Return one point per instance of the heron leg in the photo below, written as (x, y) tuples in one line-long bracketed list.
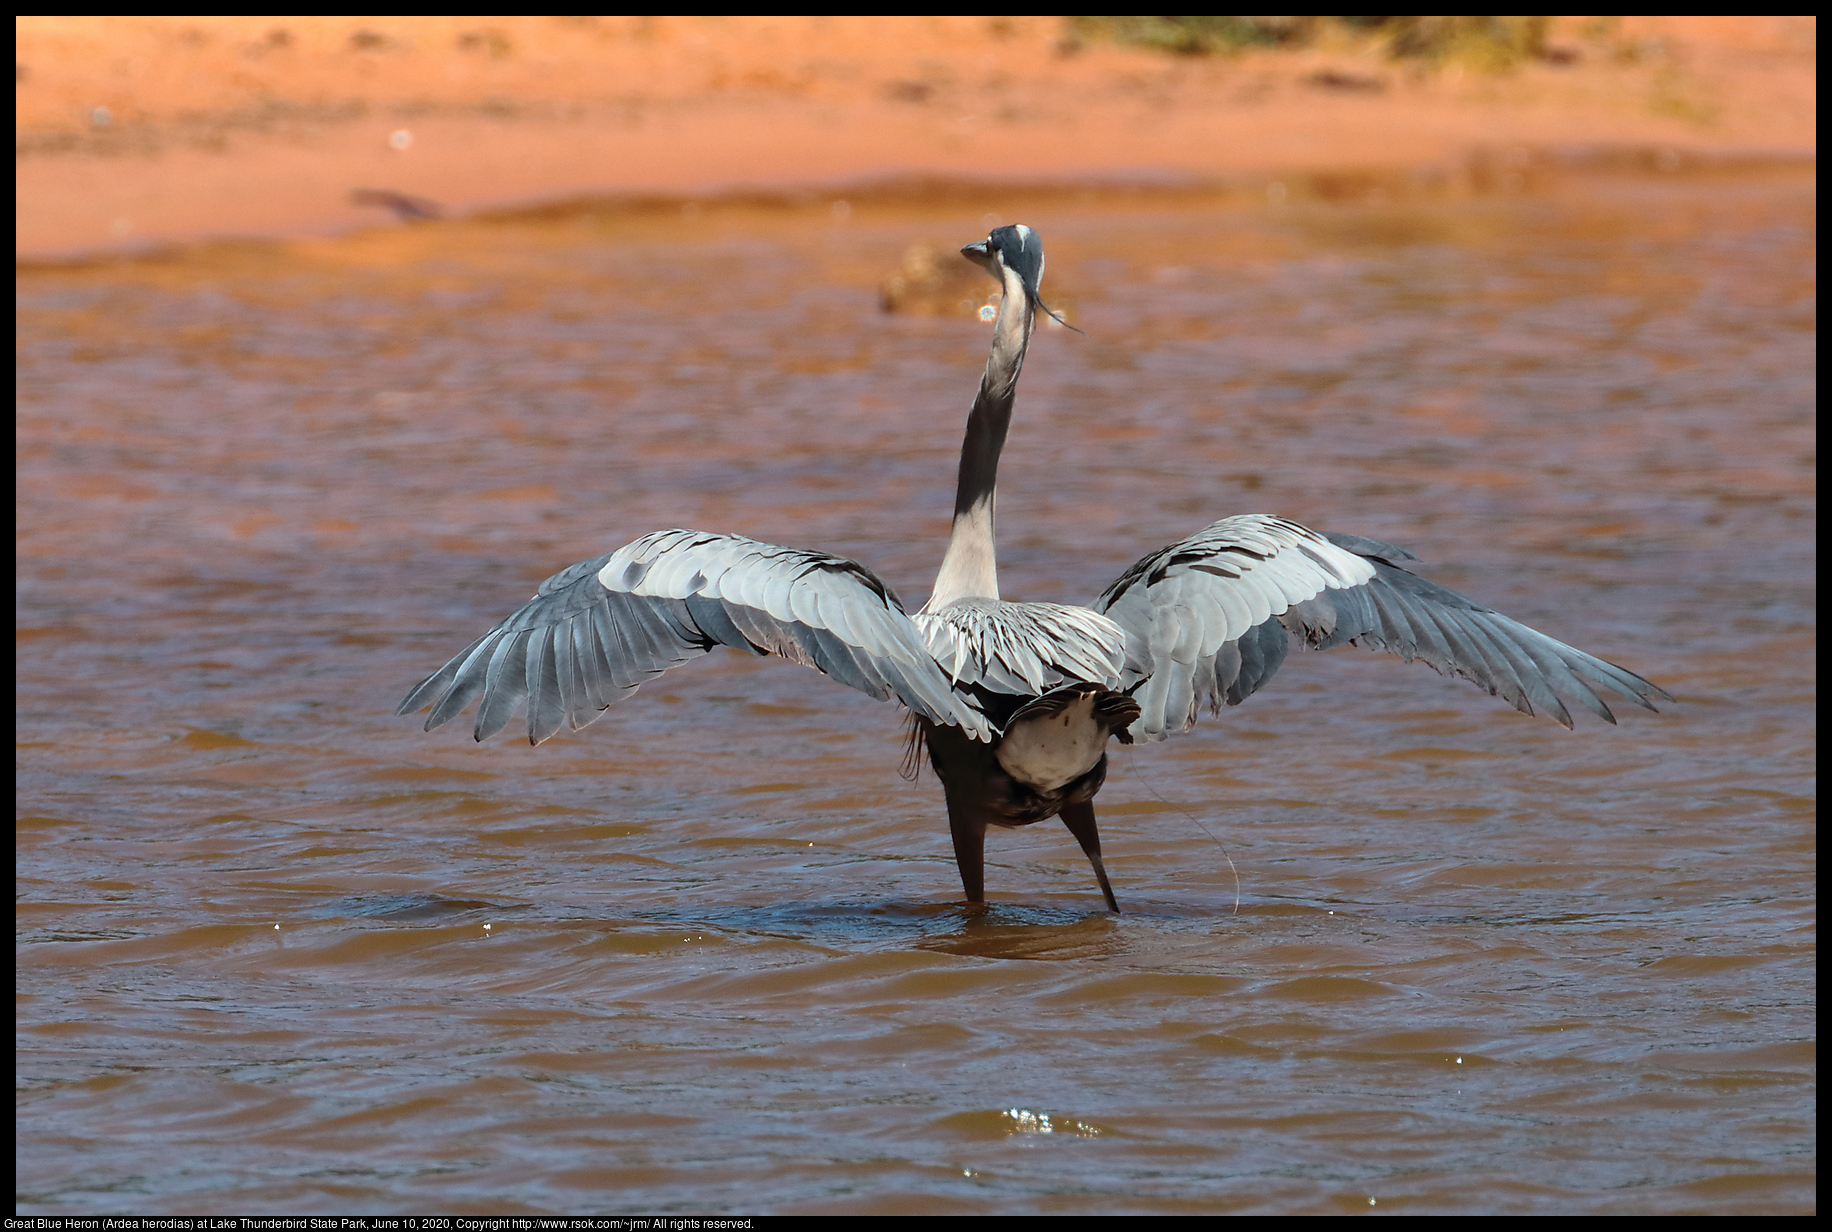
[(1079, 818), (968, 826)]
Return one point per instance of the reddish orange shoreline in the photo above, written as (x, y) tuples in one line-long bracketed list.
[(132, 130)]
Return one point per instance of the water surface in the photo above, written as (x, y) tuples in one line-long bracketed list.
[(1385, 942)]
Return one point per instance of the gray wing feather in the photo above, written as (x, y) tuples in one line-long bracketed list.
[(588, 673), (764, 634), (568, 661), (1209, 617), (1491, 668), (454, 700), (596, 631), (1438, 639), (1502, 655), (716, 621), (836, 658), (545, 713), (619, 656), (1331, 618), (1261, 652), (505, 685)]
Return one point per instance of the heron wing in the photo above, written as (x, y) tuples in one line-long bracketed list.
[(595, 632), (1210, 618)]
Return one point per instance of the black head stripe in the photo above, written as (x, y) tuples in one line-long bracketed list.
[(1019, 249)]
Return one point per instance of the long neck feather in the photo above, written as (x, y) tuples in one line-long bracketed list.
[(970, 569)]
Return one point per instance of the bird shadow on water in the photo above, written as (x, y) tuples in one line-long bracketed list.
[(992, 930), (995, 930)]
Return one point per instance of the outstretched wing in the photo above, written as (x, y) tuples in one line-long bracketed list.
[(595, 632), (1209, 618)]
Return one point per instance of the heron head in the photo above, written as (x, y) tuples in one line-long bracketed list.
[(1018, 249), (1014, 248)]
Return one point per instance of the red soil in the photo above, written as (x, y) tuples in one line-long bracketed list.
[(133, 129)]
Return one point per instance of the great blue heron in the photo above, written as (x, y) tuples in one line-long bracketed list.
[(1015, 702)]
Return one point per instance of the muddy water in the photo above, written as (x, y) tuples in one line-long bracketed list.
[(1387, 944)]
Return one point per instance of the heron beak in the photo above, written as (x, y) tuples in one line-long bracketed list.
[(982, 255)]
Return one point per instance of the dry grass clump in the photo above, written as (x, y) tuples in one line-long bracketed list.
[(1493, 43)]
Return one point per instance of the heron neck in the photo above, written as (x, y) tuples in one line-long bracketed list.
[(970, 569)]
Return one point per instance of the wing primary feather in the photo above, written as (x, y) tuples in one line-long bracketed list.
[(424, 692), (468, 682), (1394, 628), (1607, 675), (1539, 691), (1435, 637), (545, 714), (1493, 663), (565, 682), (649, 636), (1472, 661), (619, 657), (594, 666), (507, 684), (584, 706), (1550, 655), (1552, 670), (1589, 697), (1618, 679), (1438, 638)]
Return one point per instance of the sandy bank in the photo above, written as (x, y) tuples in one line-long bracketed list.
[(137, 130)]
